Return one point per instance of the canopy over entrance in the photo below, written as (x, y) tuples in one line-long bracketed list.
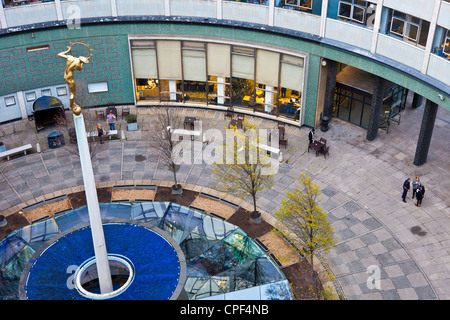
[(48, 110)]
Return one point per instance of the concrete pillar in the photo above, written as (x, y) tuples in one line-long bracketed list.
[(329, 88), (426, 131), (271, 12), (375, 109), (3, 23), (219, 9)]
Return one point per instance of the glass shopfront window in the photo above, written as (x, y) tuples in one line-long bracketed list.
[(353, 105), (238, 76), (243, 91), (291, 84), (219, 73), (194, 71)]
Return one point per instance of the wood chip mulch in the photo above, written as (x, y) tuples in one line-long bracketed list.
[(47, 209), (216, 206), (133, 194), (282, 250)]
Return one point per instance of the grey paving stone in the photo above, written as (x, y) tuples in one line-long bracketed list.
[(345, 234), (351, 206), (425, 293), (368, 239), (409, 267), (400, 282), (385, 258), (391, 244), (329, 191), (329, 205), (363, 252), (390, 295), (372, 223)]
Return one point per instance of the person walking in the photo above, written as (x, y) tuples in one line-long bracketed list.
[(415, 186), (406, 186), (111, 118), (419, 195), (100, 133), (311, 135)]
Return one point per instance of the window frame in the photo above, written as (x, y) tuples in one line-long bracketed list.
[(298, 4), (407, 23), (353, 5), (445, 46)]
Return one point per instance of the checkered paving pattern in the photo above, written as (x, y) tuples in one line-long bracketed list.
[(360, 184)]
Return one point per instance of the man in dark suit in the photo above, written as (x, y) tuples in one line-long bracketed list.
[(311, 135), (406, 186)]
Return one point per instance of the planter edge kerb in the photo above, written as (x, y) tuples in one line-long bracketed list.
[(255, 217), (177, 189)]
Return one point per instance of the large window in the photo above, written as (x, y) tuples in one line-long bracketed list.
[(302, 5), (358, 11), (12, 3), (443, 48), (241, 76), (409, 28), (353, 105), (194, 71), (219, 72)]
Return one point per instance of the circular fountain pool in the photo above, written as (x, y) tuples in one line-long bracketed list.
[(144, 262)]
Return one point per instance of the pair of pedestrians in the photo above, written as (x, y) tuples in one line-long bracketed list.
[(418, 190)]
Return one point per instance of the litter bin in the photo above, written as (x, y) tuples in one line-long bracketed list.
[(324, 125), (55, 140)]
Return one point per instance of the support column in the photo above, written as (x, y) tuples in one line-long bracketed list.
[(3, 23), (426, 131), (59, 13), (329, 88), (271, 12), (167, 8), (375, 109), (219, 9)]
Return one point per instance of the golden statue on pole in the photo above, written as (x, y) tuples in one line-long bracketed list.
[(74, 63)]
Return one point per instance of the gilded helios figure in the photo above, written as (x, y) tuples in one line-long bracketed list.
[(74, 63)]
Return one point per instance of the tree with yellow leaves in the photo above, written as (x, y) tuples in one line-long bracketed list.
[(301, 216), (246, 169)]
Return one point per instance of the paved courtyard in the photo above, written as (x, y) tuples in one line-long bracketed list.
[(360, 181)]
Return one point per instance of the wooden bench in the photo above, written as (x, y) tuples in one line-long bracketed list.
[(184, 132), (95, 134), (11, 152)]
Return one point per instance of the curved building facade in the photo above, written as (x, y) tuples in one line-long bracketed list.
[(295, 61)]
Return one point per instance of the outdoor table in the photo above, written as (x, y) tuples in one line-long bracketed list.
[(236, 123), (189, 120), (316, 145)]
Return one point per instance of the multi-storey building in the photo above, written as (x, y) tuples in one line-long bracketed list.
[(296, 61)]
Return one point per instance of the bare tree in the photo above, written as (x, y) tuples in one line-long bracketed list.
[(163, 141)]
